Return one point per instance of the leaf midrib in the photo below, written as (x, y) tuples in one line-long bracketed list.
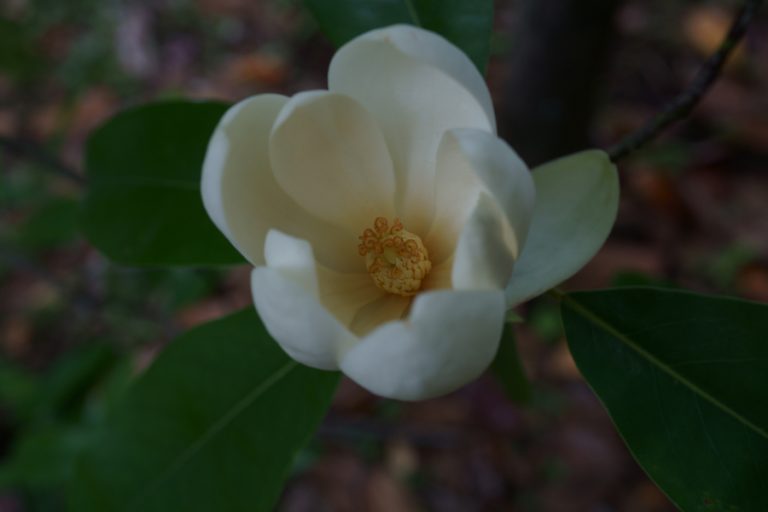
[(605, 325), (194, 448)]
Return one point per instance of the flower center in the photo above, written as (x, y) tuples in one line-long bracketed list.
[(396, 259)]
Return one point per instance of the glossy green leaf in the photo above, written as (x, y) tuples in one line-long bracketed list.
[(685, 379), (508, 369), (468, 25), (143, 203), (214, 424)]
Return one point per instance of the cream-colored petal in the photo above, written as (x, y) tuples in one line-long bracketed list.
[(434, 50), (285, 295), (353, 299), (439, 277), (383, 309), (345, 294), (485, 197), (244, 200), (293, 257), (449, 338), (414, 103), (577, 199), (330, 156), (295, 319), (470, 162), (485, 252)]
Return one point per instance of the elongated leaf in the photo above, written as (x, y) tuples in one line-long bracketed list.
[(143, 202), (214, 424), (685, 379), (468, 25)]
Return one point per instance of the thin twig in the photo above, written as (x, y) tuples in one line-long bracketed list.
[(681, 106), (34, 152)]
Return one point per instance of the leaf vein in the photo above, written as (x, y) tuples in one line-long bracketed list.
[(669, 370), (209, 434)]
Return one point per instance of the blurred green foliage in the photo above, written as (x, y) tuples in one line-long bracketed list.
[(51, 415), (88, 59)]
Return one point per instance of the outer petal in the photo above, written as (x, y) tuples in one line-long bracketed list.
[(285, 294), (485, 253), (414, 103), (448, 340), (433, 49), (485, 197), (242, 196), (576, 205), (329, 155)]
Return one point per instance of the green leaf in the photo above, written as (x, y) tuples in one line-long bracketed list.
[(143, 203), (468, 25), (508, 369), (685, 379), (214, 424)]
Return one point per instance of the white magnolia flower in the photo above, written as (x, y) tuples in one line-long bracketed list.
[(390, 228)]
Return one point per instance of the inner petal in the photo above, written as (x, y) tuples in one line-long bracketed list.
[(470, 163), (414, 103), (329, 155), (385, 309), (244, 200), (356, 302), (344, 294)]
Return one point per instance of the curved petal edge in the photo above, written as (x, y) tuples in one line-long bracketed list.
[(285, 296), (576, 205), (449, 339), (434, 50), (232, 167)]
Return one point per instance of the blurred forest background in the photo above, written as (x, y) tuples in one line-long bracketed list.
[(74, 328)]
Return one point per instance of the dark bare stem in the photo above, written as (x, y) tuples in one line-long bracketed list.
[(681, 106), (32, 151)]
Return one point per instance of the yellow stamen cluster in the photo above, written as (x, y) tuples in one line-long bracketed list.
[(396, 259)]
